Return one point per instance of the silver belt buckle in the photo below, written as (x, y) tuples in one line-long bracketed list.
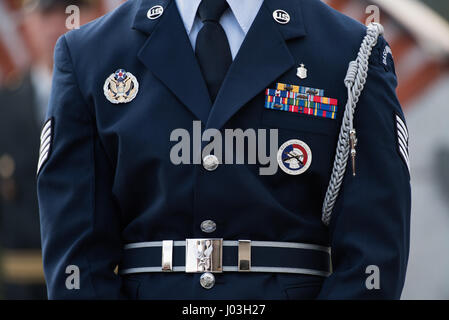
[(204, 255)]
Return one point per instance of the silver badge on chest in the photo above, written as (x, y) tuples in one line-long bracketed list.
[(121, 87), (301, 72)]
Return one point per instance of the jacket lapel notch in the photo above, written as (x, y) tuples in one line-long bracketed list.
[(168, 54), (263, 57), (296, 27), (141, 21)]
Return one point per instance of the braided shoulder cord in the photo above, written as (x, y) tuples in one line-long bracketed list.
[(355, 81)]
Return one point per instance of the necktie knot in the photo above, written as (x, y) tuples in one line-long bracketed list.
[(212, 10)]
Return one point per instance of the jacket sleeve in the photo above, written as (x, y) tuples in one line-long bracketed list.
[(369, 228), (80, 223)]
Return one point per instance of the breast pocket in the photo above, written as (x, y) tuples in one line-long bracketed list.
[(278, 119), (320, 135)]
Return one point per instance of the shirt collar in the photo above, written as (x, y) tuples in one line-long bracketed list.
[(245, 12)]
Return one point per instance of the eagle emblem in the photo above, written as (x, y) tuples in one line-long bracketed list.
[(121, 87)]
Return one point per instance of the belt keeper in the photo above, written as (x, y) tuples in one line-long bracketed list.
[(244, 254), (167, 255)]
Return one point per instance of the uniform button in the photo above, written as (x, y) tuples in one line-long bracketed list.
[(208, 226), (207, 280), (210, 162)]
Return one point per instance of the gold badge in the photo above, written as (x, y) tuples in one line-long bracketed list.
[(121, 87)]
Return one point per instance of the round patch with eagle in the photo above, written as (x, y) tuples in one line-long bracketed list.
[(294, 157), (121, 87)]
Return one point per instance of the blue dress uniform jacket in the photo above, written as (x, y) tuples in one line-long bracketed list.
[(108, 180)]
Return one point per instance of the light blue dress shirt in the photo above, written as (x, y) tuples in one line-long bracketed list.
[(236, 20)]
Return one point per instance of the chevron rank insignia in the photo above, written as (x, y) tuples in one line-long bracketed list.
[(387, 51), (403, 137), (46, 142)]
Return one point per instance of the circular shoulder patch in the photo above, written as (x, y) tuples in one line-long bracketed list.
[(294, 157)]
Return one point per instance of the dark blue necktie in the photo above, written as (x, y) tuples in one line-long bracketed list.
[(212, 46)]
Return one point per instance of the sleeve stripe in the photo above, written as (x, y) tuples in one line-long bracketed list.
[(44, 144), (403, 132), (405, 158), (402, 140), (42, 160), (46, 141), (402, 127), (46, 135), (398, 118), (404, 153), (46, 128), (44, 153)]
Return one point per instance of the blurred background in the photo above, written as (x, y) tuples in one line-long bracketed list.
[(418, 33)]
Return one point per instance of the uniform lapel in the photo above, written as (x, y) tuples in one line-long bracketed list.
[(263, 57), (168, 54)]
